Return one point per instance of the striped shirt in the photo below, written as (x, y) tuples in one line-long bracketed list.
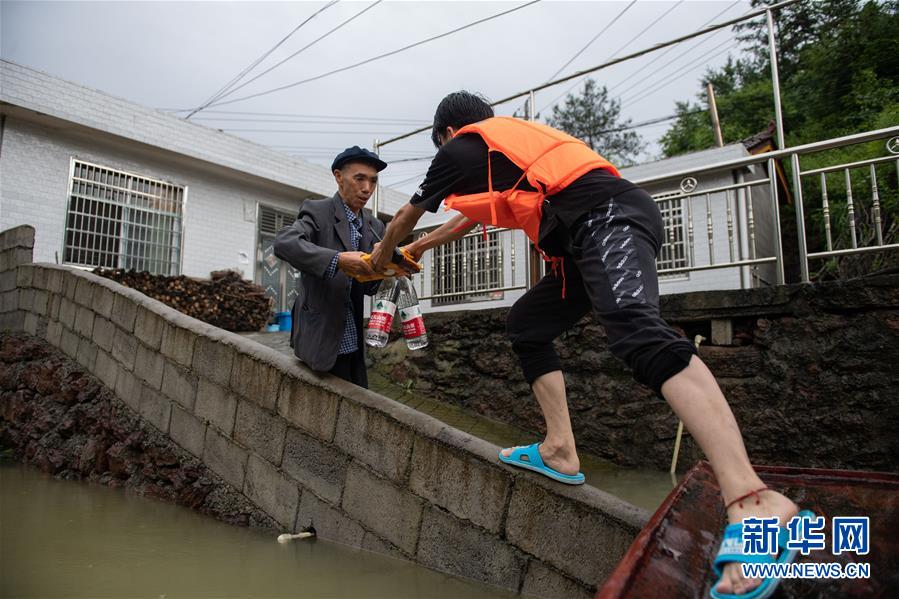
[(350, 340)]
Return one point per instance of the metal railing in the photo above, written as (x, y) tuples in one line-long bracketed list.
[(691, 188), (738, 225), (738, 205), (470, 269)]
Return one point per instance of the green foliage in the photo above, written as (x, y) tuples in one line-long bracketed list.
[(839, 74), (596, 119)]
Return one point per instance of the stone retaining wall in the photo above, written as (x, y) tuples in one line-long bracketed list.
[(369, 472)]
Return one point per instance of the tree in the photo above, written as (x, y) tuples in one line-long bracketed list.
[(838, 73), (596, 119)]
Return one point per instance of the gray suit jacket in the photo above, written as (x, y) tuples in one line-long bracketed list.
[(321, 231)]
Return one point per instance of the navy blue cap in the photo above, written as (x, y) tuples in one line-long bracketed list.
[(357, 154)]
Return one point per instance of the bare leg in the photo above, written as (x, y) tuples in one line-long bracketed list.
[(558, 450), (695, 397)]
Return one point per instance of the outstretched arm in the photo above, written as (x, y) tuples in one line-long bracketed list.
[(398, 229), (453, 229)]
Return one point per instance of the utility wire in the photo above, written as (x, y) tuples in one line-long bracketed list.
[(381, 132), (665, 66), (590, 43), (407, 180), (378, 57), (671, 48), (610, 63), (309, 45), (581, 51), (311, 116), (672, 77), (615, 53), (240, 75), (307, 121)]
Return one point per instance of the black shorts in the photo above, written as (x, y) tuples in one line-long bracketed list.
[(609, 266)]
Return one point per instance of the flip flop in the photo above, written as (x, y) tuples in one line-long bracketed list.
[(528, 456), (732, 551)]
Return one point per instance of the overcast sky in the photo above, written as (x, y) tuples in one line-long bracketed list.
[(176, 55)]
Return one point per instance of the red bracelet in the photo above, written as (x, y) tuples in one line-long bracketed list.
[(740, 499)]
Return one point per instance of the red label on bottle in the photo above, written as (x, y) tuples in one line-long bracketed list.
[(382, 317), (414, 327), (413, 323)]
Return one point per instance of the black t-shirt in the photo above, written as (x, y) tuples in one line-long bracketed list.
[(460, 167)]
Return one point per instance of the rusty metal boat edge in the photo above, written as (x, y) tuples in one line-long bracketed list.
[(671, 557)]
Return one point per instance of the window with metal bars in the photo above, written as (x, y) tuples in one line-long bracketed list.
[(466, 270), (272, 220), (117, 219), (674, 253)]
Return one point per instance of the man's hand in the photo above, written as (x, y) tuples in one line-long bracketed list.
[(352, 264), (380, 256), (414, 250)]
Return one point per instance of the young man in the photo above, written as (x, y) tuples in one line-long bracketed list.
[(602, 233)]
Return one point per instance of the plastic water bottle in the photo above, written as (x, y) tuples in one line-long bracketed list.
[(410, 312), (383, 307)]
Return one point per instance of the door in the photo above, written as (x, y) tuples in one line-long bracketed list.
[(277, 278)]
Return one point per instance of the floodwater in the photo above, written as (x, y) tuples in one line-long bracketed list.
[(75, 539)]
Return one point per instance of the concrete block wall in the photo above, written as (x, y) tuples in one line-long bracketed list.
[(369, 472), (16, 249)]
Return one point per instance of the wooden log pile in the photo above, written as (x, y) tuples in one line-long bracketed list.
[(224, 300)]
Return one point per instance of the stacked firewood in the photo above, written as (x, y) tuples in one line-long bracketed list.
[(225, 300)]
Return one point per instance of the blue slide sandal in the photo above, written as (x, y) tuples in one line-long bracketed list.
[(529, 457), (732, 551)]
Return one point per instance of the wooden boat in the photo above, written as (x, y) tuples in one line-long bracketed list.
[(672, 555)]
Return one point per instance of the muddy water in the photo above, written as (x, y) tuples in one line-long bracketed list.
[(74, 539)]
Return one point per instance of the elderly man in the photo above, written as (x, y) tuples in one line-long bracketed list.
[(326, 244)]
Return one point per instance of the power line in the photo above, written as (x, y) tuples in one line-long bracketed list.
[(294, 115), (407, 180), (610, 63), (240, 75), (671, 78), (628, 43), (381, 132), (419, 159), (675, 59), (590, 43), (671, 48), (655, 121), (306, 121), (309, 45), (378, 57)]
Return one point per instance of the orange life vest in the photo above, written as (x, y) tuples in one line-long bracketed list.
[(551, 160)]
